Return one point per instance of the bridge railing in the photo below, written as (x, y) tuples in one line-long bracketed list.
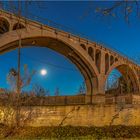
[(48, 100), (130, 98), (71, 100), (60, 100)]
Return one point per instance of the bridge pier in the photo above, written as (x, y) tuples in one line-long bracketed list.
[(96, 98), (97, 94)]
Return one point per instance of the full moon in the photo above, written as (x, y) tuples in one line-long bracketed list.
[(43, 72)]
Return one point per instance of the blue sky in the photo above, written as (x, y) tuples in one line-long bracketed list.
[(114, 32)]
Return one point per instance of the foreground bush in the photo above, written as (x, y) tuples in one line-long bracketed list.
[(69, 131)]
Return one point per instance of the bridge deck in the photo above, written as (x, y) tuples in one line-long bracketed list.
[(67, 32)]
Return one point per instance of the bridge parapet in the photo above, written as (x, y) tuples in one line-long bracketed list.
[(120, 100)]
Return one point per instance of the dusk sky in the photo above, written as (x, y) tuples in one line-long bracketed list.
[(114, 32)]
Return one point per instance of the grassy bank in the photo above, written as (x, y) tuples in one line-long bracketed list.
[(69, 132)]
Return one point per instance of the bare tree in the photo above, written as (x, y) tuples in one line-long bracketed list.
[(106, 10), (15, 109), (24, 79), (82, 89), (39, 91), (124, 8)]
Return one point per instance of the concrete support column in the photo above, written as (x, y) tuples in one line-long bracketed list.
[(91, 91), (102, 69), (99, 94), (101, 84), (101, 76)]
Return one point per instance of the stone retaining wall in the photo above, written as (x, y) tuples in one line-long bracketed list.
[(87, 115)]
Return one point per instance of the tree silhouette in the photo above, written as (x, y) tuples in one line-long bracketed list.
[(82, 88), (25, 78), (40, 91), (116, 9)]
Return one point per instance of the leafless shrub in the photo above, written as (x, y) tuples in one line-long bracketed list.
[(15, 110)]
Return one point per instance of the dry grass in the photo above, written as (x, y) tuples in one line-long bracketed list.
[(73, 133)]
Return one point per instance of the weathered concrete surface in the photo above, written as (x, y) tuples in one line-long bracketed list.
[(120, 110), (75, 115), (87, 115)]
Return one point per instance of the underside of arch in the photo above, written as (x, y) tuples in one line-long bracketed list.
[(129, 77)]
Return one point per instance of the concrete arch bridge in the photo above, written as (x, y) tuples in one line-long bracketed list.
[(94, 61)]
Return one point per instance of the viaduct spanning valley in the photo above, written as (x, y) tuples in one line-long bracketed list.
[(93, 60)]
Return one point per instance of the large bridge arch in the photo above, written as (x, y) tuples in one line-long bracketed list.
[(63, 45), (128, 73)]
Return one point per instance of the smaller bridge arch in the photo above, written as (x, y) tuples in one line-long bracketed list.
[(128, 74), (91, 52), (98, 59), (106, 62), (111, 60), (4, 25), (18, 26), (83, 46)]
